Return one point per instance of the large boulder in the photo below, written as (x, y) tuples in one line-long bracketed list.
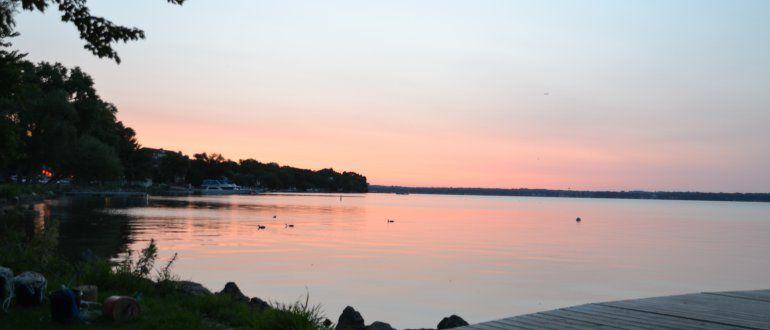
[(350, 320), (450, 322), (231, 290), (377, 325), (192, 288)]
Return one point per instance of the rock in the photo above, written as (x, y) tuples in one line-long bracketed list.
[(232, 290), (377, 325), (6, 287), (29, 288), (192, 288), (259, 304), (350, 320), (453, 321)]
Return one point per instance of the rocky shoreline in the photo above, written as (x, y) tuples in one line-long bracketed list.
[(350, 319)]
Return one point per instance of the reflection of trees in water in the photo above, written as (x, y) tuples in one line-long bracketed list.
[(108, 228), (265, 208), (85, 225)]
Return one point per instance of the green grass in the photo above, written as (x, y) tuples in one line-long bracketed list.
[(163, 306), (176, 311)]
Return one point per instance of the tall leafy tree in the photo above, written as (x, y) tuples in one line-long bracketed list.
[(93, 160)]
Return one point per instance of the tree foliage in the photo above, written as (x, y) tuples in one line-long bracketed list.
[(52, 119), (93, 160), (174, 166), (99, 33)]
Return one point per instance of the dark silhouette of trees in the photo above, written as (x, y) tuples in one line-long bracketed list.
[(53, 120), (93, 160), (174, 167), (99, 33)]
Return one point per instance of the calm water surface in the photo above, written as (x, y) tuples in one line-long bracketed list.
[(478, 257)]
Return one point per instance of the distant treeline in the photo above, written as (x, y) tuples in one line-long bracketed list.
[(176, 168), (667, 195), (54, 127)]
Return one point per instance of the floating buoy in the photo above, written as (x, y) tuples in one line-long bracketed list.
[(578, 219)]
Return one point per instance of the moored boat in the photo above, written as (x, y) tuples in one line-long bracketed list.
[(222, 187)]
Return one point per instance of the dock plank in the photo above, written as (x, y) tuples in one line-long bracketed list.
[(708, 310), (650, 319), (760, 295), (711, 308)]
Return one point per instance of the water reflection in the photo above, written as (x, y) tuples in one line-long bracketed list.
[(86, 226), (480, 257)]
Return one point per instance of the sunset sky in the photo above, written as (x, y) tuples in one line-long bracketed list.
[(670, 95)]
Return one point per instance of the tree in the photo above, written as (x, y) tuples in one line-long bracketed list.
[(46, 110), (92, 160), (10, 84), (99, 33), (172, 166), (9, 144), (136, 161)]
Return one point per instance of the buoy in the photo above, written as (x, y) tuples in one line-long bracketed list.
[(578, 219)]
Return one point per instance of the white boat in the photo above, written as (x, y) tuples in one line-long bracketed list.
[(221, 187)]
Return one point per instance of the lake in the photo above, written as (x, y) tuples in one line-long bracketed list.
[(479, 257)]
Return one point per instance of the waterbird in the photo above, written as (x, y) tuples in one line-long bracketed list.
[(391, 221), (260, 227), (288, 225), (275, 216), (578, 219)]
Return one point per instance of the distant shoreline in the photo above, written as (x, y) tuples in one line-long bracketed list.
[(526, 192)]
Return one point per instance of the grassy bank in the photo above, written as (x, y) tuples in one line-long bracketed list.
[(30, 246)]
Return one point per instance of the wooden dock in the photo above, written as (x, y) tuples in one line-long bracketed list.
[(708, 310)]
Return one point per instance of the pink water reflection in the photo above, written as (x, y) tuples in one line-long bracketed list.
[(479, 257)]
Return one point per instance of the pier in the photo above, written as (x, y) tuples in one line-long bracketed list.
[(707, 310)]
